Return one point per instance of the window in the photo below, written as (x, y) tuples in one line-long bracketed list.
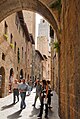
[(25, 56), (19, 29), (51, 32), (22, 52), (6, 28), (18, 55), (15, 47), (16, 21), (3, 56), (43, 21), (17, 68), (11, 37)]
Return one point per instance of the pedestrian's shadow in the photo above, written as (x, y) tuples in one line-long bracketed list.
[(7, 106), (50, 112), (15, 115), (35, 111)]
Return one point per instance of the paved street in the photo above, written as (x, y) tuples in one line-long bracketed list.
[(10, 111)]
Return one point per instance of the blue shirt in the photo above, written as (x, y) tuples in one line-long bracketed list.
[(23, 87)]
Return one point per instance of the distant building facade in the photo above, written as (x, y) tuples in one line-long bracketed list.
[(43, 40), (42, 45), (38, 65), (30, 58), (43, 29), (29, 18)]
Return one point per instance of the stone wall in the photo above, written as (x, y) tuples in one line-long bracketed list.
[(11, 59), (70, 60), (29, 18)]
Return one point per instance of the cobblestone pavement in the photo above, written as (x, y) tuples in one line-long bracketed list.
[(10, 111)]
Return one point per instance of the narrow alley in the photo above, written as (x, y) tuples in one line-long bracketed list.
[(10, 111), (40, 41)]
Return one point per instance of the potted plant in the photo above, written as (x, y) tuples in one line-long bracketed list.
[(12, 46), (56, 46), (5, 36)]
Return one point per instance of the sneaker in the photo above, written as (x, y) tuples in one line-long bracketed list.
[(21, 109), (39, 117), (24, 107), (49, 107), (46, 117)]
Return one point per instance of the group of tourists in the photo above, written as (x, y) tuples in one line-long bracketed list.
[(20, 87), (43, 92)]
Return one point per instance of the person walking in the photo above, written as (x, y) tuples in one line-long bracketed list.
[(49, 94), (11, 79), (44, 93), (38, 92), (23, 87), (15, 91), (30, 83)]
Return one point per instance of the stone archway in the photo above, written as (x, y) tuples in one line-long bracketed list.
[(7, 7), (2, 81)]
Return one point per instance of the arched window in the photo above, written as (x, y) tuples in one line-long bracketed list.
[(2, 82), (11, 72)]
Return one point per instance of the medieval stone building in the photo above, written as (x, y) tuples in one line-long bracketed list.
[(38, 65), (15, 50), (43, 46)]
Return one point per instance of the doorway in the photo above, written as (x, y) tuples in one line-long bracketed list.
[(2, 81)]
